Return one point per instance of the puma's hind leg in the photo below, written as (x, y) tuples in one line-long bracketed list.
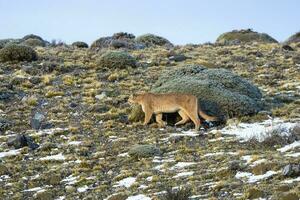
[(158, 118), (193, 115), (184, 117)]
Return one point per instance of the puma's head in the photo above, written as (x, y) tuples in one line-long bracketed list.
[(135, 98)]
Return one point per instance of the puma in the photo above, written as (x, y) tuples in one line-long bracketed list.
[(185, 104)]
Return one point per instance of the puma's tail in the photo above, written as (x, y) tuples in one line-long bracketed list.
[(207, 117)]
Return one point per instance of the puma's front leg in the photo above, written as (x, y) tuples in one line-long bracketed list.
[(148, 115), (158, 118)]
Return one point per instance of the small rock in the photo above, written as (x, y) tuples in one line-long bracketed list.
[(73, 105), (291, 170), (20, 141), (287, 48), (47, 125), (37, 120), (143, 151), (17, 142), (5, 95), (70, 189), (235, 165), (177, 58)]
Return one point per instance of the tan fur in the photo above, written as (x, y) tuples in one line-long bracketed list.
[(185, 104)]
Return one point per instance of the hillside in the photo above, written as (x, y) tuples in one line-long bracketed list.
[(75, 108)]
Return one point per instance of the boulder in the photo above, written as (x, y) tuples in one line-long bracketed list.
[(291, 170), (37, 120), (20, 141), (220, 92)]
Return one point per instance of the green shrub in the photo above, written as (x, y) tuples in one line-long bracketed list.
[(152, 40), (244, 36), (34, 42), (32, 36), (17, 53), (80, 44), (116, 60), (5, 42)]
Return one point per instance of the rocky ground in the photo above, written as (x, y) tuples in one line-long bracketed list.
[(77, 114)]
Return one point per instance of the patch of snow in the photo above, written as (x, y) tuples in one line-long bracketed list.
[(183, 174), (48, 131), (181, 165), (295, 155), (126, 182), (123, 155), (197, 196), (257, 162), (12, 152), (247, 158), (254, 178), (74, 143), (138, 197), (60, 198), (259, 130), (289, 147), (159, 167), (158, 159), (36, 189), (82, 189), (291, 180), (149, 178), (143, 187), (70, 180), (219, 153), (216, 139), (4, 177), (185, 133), (54, 157)]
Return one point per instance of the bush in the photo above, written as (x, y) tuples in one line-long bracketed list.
[(80, 44), (32, 36), (17, 53), (152, 40), (103, 42), (116, 60), (144, 151), (123, 35), (244, 36), (6, 42), (34, 42)]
